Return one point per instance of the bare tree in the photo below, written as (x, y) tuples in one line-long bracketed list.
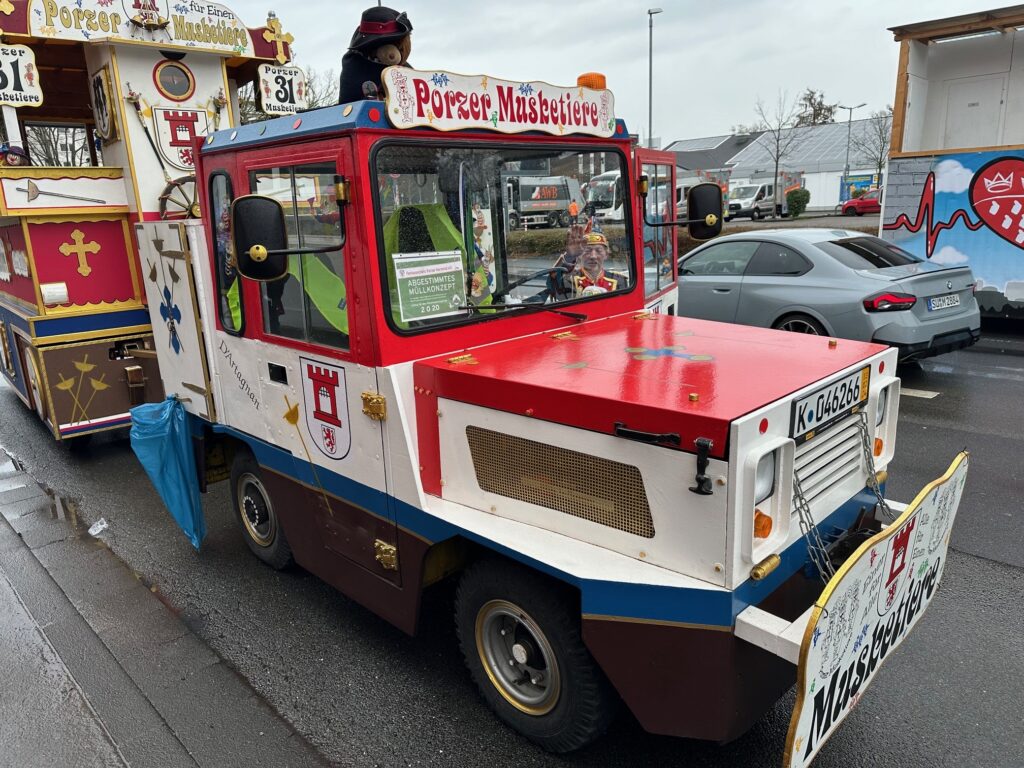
[(873, 142), (741, 129), (815, 110), (57, 145), (782, 132), (321, 91)]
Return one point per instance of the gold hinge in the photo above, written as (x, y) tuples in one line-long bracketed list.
[(462, 360), (375, 405), (386, 554), (342, 190)]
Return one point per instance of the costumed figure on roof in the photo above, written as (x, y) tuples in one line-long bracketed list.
[(381, 40)]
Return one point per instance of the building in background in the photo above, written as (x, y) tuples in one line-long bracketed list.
[(956, 170)]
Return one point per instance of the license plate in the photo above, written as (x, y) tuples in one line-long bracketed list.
[(867, 610), (944, 302), (821, 409)]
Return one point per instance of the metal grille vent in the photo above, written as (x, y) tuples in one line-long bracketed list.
[(829, 460), (590, 487)]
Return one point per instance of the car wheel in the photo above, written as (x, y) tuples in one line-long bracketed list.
[(513, 221), (800, 324), (755, 215), (255, 513), (563, 219), (522, 644), (849, 211), (553, 220)]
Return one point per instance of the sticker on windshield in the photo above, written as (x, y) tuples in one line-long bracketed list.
[(430, 284)]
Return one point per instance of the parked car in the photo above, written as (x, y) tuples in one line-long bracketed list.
[(832, 282), (869, 202)]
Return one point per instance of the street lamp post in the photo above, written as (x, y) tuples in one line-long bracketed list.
[(650, 76), (849, 127)]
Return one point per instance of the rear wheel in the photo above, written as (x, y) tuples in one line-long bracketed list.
[(755, 215), (521, 639), (800, 324), (563, 219), (256, 515), (553, 220), (513, 221)]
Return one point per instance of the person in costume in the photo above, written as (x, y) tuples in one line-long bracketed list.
[(381, 40), (592, 277)]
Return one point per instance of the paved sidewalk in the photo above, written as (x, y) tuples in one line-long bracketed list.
[(97, 671)]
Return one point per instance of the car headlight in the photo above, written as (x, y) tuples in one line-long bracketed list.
[(764, 477), (883, 398)]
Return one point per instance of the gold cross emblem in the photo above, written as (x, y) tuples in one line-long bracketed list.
[(78, 247), (272, 34)]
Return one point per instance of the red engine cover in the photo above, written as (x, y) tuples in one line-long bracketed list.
[(654, 373)]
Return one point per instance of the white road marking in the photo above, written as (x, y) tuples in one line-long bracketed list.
[(922, 393)]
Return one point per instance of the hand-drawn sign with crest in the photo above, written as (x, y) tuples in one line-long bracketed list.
[(325, 399), (176, 129)]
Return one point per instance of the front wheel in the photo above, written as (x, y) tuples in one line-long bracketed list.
[(755, 215), (255, 513), (521, 640)]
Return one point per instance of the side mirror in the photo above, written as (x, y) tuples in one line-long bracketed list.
[(704, 210), (260, 237)]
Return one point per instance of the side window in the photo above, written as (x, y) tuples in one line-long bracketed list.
[(5, 351), (310, 302), (778, 260), (721, 259), (229, 286), (659, 242)]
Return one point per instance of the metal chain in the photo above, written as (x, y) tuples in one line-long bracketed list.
[(815, 546), (869, 461)]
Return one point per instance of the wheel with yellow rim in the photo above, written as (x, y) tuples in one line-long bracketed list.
[(520, 636), (179, 199), (255, 513)]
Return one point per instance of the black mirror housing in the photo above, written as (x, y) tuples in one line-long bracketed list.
[(258, 229), (704, 210)]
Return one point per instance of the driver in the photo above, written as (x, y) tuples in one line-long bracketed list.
[(592, 277)]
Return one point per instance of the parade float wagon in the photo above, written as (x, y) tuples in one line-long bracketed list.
[(101, 101), (684, 515)]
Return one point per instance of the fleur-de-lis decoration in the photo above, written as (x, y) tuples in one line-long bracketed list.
[(171, 314), (525, 89)]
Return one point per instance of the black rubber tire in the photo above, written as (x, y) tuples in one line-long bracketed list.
[(755, 215), (513, 221), (553, 219), (849, 211), (586, 702), (813, 326), (859, 212), (563, 219), (274, 550)]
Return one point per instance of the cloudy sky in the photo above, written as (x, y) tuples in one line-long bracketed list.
[(712, 60)]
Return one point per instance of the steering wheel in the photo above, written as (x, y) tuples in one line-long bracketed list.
[(532, 276)]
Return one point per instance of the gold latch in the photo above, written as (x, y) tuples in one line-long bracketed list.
[(462, 360), (375, 405), (385, 554)]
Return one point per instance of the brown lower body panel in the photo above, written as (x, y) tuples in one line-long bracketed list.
[(687, 681)]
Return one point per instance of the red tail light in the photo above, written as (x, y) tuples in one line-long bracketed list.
[(889, 302)]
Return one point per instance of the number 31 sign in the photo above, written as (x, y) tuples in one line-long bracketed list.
[(282, 90), (19, 78)]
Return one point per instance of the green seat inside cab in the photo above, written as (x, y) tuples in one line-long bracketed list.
[(419, 228)]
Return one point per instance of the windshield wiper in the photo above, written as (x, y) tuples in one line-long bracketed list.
[(579, 317)]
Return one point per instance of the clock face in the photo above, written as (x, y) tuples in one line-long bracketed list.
[(174, 80)]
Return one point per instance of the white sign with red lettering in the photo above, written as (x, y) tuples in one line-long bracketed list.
[(867, 610), (450, 102)]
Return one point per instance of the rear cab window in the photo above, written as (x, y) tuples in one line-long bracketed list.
[(867, 253)]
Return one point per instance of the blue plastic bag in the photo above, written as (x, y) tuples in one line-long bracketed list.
[(161, 440)]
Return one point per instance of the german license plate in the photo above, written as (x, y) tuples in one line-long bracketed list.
[(821, 409), (867, 609), (944, 302)]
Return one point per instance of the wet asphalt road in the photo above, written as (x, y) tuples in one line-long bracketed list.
[(367, 695)]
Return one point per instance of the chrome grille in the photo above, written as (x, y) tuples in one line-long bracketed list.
[(601, 490), (829, 459)]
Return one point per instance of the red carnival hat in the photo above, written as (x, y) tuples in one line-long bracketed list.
[(379, 26)]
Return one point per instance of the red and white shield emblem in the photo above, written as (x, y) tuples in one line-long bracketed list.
[(176, 130), (325, 398), (897, 572)]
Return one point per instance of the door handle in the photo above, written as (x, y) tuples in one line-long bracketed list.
[(722, 290)]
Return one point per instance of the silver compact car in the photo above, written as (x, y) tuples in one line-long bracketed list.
[(832, 282)]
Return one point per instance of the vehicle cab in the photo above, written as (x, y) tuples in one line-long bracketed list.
[(401, 390)]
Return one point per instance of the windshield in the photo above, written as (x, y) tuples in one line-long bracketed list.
[(601, 191), (462, 239), (742, 193), (867, 253)]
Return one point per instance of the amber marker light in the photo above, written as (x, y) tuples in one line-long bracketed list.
[(879, 446), (762, 525), (594, 80)]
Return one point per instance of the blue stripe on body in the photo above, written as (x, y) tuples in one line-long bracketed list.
[(112, 321), (646, 602)]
